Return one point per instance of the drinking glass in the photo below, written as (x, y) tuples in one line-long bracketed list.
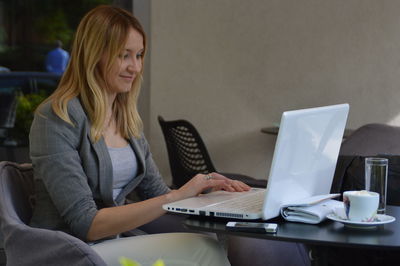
[(376, 171)]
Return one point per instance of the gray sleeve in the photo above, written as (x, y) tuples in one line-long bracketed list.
[(153, 184), (56, 161)]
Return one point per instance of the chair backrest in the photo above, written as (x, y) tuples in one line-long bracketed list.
[(16, 192), (372, 139), (187, 152), (16, 189)]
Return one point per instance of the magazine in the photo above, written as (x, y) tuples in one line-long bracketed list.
[(311, 210)]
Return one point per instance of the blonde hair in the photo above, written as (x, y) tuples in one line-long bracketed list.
[(102, 31)]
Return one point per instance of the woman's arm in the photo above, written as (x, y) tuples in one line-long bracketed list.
[(56, 151), (115, 220)]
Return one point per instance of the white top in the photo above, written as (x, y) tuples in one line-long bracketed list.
[(125, 167)]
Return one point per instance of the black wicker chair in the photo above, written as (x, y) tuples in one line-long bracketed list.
[(188, 154)]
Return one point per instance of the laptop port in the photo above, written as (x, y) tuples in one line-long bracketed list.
[(202, 213)]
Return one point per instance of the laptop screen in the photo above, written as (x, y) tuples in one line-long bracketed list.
[(305, 155)]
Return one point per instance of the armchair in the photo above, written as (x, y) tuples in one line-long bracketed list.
[(25, 245), (369, 140)]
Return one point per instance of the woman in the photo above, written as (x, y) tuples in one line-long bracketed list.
[(88, 150)]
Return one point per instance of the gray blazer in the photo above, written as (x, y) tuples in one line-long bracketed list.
[(73, 175)]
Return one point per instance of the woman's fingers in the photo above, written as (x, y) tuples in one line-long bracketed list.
[(237, 185), (231, 185), (213, 181), (216, 185), (228, 185)]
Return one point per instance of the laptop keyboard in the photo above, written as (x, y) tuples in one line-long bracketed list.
[(248, 203)]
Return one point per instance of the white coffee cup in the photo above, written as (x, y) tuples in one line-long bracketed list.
[(360, 206)]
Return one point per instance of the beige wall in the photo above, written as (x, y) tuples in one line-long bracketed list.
[(232, 67)]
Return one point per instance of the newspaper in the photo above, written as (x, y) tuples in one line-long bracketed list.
[(311, 210)]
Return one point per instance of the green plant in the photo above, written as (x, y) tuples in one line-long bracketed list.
[(26, 106), (128, 262)]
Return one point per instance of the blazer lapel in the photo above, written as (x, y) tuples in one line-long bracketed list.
[(105, 172)]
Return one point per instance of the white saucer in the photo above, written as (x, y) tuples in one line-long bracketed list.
[(379, 220)]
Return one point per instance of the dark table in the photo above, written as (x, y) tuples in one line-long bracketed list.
[(327, 234)]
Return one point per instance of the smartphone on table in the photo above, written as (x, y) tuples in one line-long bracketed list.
[(252, 227)]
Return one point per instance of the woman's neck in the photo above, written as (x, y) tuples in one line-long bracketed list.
[(112, 135)]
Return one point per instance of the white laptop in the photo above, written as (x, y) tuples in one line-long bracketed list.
[(303, 166)]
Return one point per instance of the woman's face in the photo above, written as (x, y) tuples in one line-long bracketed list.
[(127, 66)]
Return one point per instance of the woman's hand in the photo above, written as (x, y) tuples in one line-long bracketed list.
[(213, 181)]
